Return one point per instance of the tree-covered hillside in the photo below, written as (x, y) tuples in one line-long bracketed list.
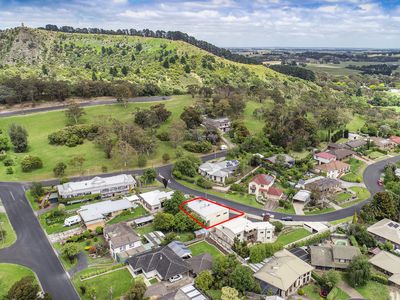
[(171, 65)]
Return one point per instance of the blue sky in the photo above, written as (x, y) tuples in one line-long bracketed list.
[(227, 23)]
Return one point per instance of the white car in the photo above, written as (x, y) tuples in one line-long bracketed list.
[(223, 147), (72, 220), (175, 278)]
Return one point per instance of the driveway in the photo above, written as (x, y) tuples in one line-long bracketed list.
[(32, 249)]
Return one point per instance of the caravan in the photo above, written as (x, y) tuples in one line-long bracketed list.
[(72, 220)]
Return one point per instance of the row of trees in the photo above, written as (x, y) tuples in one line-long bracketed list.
[(171, 35), (18, 90)]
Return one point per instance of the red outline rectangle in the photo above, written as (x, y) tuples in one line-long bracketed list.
[(240, 213)]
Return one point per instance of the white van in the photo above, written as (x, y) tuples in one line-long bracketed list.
[(72, 220)]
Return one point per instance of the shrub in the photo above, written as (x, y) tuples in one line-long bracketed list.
[(9, 170), (238, 188), (379, 278), (8, 162), (83, 289), (198, 147), (30, 163), (205, 184), (142, 161), (163, 136), (99, 230), (73, 135), (166, 157), (59, 169), (300, 292)]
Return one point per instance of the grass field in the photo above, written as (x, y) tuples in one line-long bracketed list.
[(10, 236), (204, 247), (56, 227), (136, 213), (292, 236), (40, 125), (320, 211), (118, 281), (289, 210), (362, 194), (9, 274), (245, 199), (374, 291), (356, 123), (356, 171)]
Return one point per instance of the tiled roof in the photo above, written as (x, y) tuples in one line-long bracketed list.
[(333, 165), (273, 191), (325, 155)]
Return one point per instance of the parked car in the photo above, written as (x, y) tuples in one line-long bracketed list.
[(380, 182), (223, 147), (287, 219), (175, 278), (72, 220)]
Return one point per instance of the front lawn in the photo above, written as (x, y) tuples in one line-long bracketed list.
[(10, 236), (204, 247), (356, 171), (129, 215), (342, 197), (55, 225), (374, 291), (32, 200), (362, 194), (292, 236), (116, 283), (289, 210), (337, 294), (144, 229), (311, 291), (320, 211), (245, 199), (375, 155), (9, 274)]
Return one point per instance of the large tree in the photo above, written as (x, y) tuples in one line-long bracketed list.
[(172, 205), (19, 137), (359, 271), (191, 116), (204, 280), (137, 290), (123, 153), (24, 289)]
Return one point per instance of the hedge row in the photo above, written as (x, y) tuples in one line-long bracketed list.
[(79, 199), (313, 240), (100, 271)]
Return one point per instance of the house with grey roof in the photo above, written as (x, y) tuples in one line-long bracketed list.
[(389, 264), (162, 263), (180, 249), (333, 256), (222, 124), (200, 263), (220, 171), (386, 230), (288, 161), (121, 238), (323, 185)]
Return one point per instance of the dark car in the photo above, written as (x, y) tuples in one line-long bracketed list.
[(287, 219)]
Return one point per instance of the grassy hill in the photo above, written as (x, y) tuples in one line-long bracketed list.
[(172, 65)]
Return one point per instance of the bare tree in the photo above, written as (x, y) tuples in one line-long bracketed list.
[(74, 113)]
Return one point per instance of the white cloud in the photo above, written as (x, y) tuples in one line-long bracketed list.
[(139, 14)]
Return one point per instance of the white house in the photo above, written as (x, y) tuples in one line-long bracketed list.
[(245, 230), (218, 172), (103, 186), (154, 201), (209, 212), (324, 157), (121, 238), (95, 215)]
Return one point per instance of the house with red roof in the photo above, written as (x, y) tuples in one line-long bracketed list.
[(262, 185), (395, 139), (324, 157)]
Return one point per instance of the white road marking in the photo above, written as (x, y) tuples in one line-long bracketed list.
[(12, 196)]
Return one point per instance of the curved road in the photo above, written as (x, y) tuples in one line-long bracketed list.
[(33, 250), (82, 104)]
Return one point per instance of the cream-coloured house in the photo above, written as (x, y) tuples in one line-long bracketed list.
[(209, 212)]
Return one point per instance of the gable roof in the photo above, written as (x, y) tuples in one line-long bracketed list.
[(200, 263), (356, 143), (121, 234), (274, 191), (163, 260), (100, 210), (386, 261), (325, 256), (282, 270), (325, 155), (323, 183), (263, 179), (179, 248), (387, 229), (342, 153), (332, 166)]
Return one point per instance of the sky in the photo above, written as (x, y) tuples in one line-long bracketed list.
[(227, 23)]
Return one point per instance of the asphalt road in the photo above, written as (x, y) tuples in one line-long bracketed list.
[(83, 104), (32, 249)]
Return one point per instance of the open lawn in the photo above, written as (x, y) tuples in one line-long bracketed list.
[(129, 215), (10, 236), (337, 294), (204, 247), (118, 282), (356, 123), (375, 155), (252, 123), (374, 291), (144, 229), (342, 197), (320, 211), (340, 221), (40, 125), (289, 210), (292, 236), (57, 226), (356, 171), (9, 274), (245, 199), (362, 194), (311, 291)]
